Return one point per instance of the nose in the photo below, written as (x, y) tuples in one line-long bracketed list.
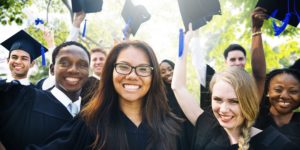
[(224, 107), (132, 74), (18, 60), (284, 94), (73, 68)]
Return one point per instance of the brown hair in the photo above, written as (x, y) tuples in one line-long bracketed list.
[(97, 49), (102, 114)]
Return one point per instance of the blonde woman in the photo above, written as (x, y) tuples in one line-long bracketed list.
[(235, 106)]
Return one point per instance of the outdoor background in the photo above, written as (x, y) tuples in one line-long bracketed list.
[(161, 31)]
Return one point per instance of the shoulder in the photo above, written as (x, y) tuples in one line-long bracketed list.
[(270, 138)]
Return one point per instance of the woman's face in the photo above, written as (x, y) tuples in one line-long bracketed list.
[(225, 106), (132, 88), (284, 93), (166, 72)]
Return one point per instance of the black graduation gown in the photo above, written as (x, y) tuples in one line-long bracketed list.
[(75, 135), (291, 130), (89, 89), (28, 115), (211, 136), (186, 135)]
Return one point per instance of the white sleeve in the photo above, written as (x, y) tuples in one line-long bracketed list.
[(74, 33)]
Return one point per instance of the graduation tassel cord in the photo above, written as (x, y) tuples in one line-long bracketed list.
[(181, 43), (43, 56), (295, 11), (279, 29), (84, 29)]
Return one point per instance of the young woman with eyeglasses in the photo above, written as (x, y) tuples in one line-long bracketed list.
[(129, 110)]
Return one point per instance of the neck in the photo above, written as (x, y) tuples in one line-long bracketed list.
[(132, 111), (16, 77), (281, 119), (74, 96), (233, 135)]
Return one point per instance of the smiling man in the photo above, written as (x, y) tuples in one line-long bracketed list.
[(23, 50), (29, 115)]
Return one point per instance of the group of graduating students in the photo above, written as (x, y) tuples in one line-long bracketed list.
[(131, 108)]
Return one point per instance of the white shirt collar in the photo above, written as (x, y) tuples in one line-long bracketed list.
[(96, 76), (49, 82), (64, 99), (24, 81)]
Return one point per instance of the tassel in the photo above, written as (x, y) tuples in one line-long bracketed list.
[(181, 42), (279, 29), (84, 29), (43, 56), (38, 21), (126, 28)]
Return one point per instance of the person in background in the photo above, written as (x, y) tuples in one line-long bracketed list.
[(129, 109), (23, 50), (282, 98), (98, 57), (29, 115), (166, 70)]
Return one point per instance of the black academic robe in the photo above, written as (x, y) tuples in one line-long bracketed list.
[(75, 135), (89, 89), (211, 136), (28, 115), (291, 130), (186, 135)]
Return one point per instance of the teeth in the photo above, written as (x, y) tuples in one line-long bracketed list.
[(131, 87), (72, 79), (283, 103)]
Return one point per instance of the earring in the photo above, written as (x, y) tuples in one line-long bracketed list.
[(267, 95)]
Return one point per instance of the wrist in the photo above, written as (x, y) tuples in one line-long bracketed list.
[(256, 33), (254, 29)]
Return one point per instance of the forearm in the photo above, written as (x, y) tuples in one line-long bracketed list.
[(258, 61), (185, 99)]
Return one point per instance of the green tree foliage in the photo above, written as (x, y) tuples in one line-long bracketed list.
[(11, 11)]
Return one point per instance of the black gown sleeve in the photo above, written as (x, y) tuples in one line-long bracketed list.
[(74, 135)]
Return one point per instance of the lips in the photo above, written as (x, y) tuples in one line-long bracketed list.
[(225, 118), (284, 104)]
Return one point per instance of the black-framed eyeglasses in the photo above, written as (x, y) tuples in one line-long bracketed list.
[(125, 69)]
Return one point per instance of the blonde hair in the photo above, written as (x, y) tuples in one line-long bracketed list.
[(246, 92)]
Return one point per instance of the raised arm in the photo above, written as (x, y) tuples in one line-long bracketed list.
[(74, 31), (258, 61), (185, 99)]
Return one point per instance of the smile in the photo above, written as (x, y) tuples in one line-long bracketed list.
[(72, 81), (131, 87), (225, 118)]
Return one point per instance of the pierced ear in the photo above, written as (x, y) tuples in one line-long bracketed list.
[(51, 69), (267, 95)]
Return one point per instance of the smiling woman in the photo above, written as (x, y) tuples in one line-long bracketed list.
[(281, 98)]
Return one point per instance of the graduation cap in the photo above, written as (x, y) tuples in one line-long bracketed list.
[(88, 6), (134, 16), (23, 41), (296, 65), (285, 10), (198, 12)]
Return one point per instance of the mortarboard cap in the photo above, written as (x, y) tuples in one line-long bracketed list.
[(23, 41), (198, 12), (134, 16), (283, 7), (88, 6), (296, 65)]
